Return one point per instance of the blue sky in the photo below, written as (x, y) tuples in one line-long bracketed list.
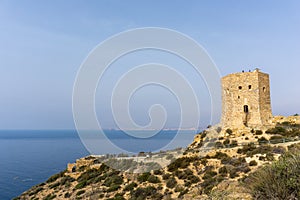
[(43, 43)]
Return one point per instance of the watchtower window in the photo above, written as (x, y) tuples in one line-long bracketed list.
[(249, 86), (264, 89), (240, 87), (239, 97), (246, 109)]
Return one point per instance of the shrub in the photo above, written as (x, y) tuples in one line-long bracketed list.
[(80, 192), (269, 156), (113, 188), (54, 185), (50, 196), (117, 197), (192, 178), (252, 163), (275, 139), (233, 143), (226, 142), (277, 130), (67, 195), (262, 140), (166, 176), (113, 180), (171, 183), (233, 161), (182, 162), (157, 172), (251, 149), (203, 161), (143, 193), (280, 180), (80, 185), (55, 177), (219, 145), (179, 188), (130, 186), (209, 174), (208, 184), (203, 134), (220, 155), (258, 132), (143, 177), (153, 179), (229, 131), (223, 170)]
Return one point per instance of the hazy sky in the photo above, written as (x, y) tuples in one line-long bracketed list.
[(43, 43)]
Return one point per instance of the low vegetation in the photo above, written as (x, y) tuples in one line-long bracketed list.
[(279, 180)]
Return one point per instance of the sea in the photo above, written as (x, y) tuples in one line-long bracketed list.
[(30, 157)]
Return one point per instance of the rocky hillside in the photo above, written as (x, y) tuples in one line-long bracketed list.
[(217, 165)]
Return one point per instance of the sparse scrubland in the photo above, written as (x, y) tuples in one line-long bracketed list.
[(261, 163)]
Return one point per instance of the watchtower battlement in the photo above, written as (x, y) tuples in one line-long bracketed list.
[(246, 99)]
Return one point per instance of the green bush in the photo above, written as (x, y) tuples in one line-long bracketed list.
[(233, 143), (130, 186), (143, 193), (157, 172), (226, 142), (220, 155), (166, 176), (80, 185), (223, 170), (193, 179), (275, 139), (113, 180), (258, 132), (113, 188), (209, 174), (262, 140), (153, 179), (229, 131), (203, 134), (277, 130), (280, 180), (89, 176), (55, 177), (208, 184), (67, 195), (203, 161), (182, 163), (179, 188), (143, 177), (171, 183), (252, 163), (50, 197), (117, 197), (251, 149), (80, 192)]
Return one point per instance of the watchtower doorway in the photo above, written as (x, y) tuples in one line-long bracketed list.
[(246, 115)]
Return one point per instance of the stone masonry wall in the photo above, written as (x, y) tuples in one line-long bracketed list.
[(246, 99)]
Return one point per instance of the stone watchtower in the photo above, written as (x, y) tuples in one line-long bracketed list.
[(246, 99)]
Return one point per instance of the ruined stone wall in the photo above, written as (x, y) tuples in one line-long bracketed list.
[(265, 99), (246, 99)]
